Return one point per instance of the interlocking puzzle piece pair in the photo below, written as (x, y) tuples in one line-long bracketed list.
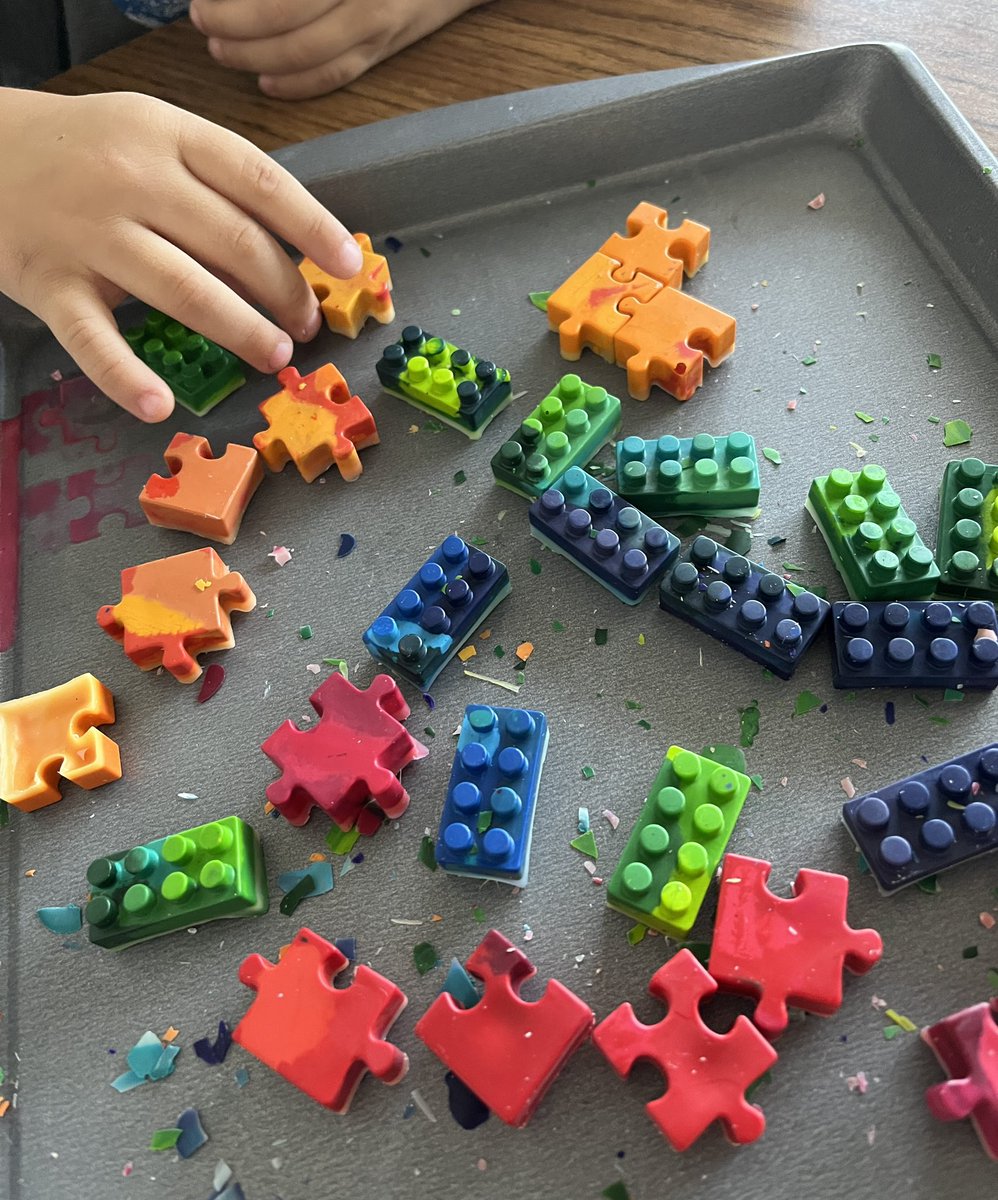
[(701, 475), (929, 822), (966, 1046), (353, 755), (51, 734), (874, 545), (440, 607), (173, 609), (450, 384), (967, 541), (935, 643), (347, 303), (744, 606), (488, 815), (780, 952), (565, 430), (624, 303), (200, 374), (677, 842), (584, 521), (189, 878)]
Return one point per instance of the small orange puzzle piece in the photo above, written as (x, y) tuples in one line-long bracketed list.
[(347, 303), (315, 422), (173, 609), (584, 309), (202, 494), (53, 733), (654, 249)]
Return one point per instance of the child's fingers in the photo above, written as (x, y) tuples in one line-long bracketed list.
[(320, 80), (240, 19), (245, 175), (301, 49), (85, 326)]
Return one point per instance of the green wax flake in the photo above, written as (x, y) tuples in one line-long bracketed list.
[(539, 300), (993, 980), (3, 1075), (774, 456), (819, 589), (601, 637), (455, 312), (269, 612), (340, 664), (588, 773), (727, 756), (641, 639), (758, 782), (341, 841), (459, 478), (986, 170), (616, 1191), (740, 541), (477, 540), (954, 695), (864, 417), (290, 901), (590, 183), (4, 818), (498, 651), (891, 1032), (586, 844), (699, 950), (479, 915), (777, 540), (429, 731), (970, 952), (939, 720), (806, 702), (484, 820), (305, 633), (862, 865), (929, 885), (535, 567), (165, 1139), (934, 361), (808, 360), (636, 934), (788, 566), (922, 700), (957, 433), (432, 426), (427, 853), (633, 705), (557, 627), (749, 723), (423, 250), (933, 420), (425, 957), (874, 437), (645, 725), (760, 1082)]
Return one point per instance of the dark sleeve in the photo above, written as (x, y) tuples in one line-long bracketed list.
[(40, 38)]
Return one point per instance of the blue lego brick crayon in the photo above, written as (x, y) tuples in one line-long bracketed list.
[(702, 474), (488, 816), (437, 611), (743, 605), (621, 548), (918, 643), (448, 383), (928, 822)]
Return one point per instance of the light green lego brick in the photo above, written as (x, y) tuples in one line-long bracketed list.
[(717, 476), (873, 543), (967, 541), (677, 842)]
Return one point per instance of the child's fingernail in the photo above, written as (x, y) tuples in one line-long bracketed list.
[(281, 355), (352, 256), (311, 327), (151, 406)]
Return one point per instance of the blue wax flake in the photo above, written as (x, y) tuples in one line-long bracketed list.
[(213, 1052), (192, 1134), (232, 1192), (241, 1077), (583, 820), (347, 947), (461, 986), (66, 918), (393, 244), (465, 1107), (347, 866), (408, 1111), (347, 543), (223, 1175), (125, 1083), (164, 1064), (322, 877)]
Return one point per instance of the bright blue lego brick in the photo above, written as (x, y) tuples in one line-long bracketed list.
[(488, 815), (918, 643), (743, 605), (928, 822), (439, 608), (621, 548)]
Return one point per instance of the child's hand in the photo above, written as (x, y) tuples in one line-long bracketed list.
[(302, 48), (107, 196)]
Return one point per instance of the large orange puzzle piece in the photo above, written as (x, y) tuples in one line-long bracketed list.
[(347, 303), (202, 494), (53, 733), (654, 249), (173, 609), (584, 309), (315, 422)]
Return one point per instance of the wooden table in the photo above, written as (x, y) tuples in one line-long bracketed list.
[(516, 44)]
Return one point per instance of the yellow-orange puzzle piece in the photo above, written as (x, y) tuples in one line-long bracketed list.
[(315, 422), (584, 309), (347, 303), (51, 734), (654, 249)]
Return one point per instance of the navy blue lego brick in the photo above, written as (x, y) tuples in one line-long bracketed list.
[(621, 548), (743, 605), (928, 822), (917, 643), (488, 816), (438, 610)]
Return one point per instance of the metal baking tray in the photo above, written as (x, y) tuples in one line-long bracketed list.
[(491, 200)]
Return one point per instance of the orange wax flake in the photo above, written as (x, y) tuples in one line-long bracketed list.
[(201, 584), (316, 858), (315, 422), (524, 651), (171, 1035), (202, 494), (30, 874), (347, 303), (163, 619), (467, 653), (485, 634), (52, 734), (268, 808), (4, 1105), (283, 950)]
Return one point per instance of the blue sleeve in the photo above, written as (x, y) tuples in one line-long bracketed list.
[(153, 12)]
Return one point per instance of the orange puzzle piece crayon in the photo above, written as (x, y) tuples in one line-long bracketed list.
[(347, 303), (52, 734)]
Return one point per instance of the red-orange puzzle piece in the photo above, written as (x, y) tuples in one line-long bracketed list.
[(315, 422), (52, 733), (202, 494), (347, 303), (173, 609), (321, 1038)]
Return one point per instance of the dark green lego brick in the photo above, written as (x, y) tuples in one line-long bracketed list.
[(199, 373), (718, 476), (967, 544), (565, 430), (873, 543), (677, 842), (189, 878)]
